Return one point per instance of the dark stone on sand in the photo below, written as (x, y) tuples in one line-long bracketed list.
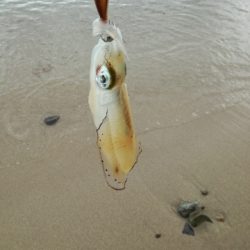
[(51, 120), (196, 221), (157, 236), (204, 192), (188, 229), (185, 208)]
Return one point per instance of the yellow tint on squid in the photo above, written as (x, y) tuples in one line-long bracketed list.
[(109, 104)]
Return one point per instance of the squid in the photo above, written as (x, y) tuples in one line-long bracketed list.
[(109, 102)]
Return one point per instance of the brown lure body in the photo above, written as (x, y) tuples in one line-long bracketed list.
[(102, 8)]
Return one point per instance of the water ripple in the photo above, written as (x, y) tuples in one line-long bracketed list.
[(179, 47)]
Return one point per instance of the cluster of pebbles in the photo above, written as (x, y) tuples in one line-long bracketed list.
[(192, 211), (194, 214)]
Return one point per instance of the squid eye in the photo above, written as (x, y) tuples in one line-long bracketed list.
[(103, 78)]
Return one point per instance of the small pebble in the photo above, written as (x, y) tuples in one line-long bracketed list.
[(185, 208), (51, 120), (157, 236), (188, 229), (204, 192), (220, 218), (196, 221)]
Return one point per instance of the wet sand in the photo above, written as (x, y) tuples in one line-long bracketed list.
[(189, 90)]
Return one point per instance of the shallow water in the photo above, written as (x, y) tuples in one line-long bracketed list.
[(193, 55)]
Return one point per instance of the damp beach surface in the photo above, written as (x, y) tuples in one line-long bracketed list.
[(189, 85)]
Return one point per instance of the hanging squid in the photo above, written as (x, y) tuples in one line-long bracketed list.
[(109, 101)]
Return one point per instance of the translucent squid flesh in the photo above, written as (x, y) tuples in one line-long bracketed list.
[(109, 105)]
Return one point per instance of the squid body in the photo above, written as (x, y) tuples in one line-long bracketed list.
[(109, 105)]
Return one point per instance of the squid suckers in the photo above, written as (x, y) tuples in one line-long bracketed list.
[(109, 104)]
